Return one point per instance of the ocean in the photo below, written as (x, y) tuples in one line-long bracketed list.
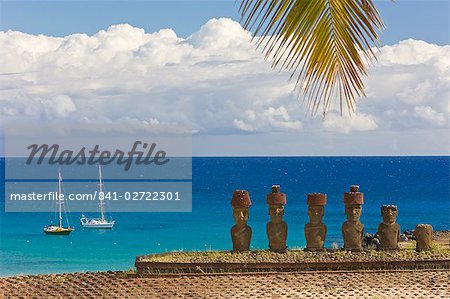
[(419, 186)]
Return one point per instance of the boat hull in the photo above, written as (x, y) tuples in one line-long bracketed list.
[(63, 231), (99, 226), (96, 223)]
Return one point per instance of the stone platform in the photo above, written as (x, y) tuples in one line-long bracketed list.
[(291, 261)]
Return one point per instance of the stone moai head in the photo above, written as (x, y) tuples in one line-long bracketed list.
[(389, 214), (276, 201), (316, 203), (424, 236), (353, 201), (276, 213), (241, 203)]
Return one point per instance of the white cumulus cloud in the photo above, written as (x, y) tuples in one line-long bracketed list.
[(430, 115), (215, 82), (345, 124)]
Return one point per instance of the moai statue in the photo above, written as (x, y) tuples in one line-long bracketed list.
[(241, 233), (424, 237), (352, 229), (389, 230), (276, 228), (315, 230)]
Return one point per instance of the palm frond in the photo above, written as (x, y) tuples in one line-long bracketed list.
[(325, 43)]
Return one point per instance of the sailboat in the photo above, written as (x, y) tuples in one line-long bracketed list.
[(59, 229), (98, 222)]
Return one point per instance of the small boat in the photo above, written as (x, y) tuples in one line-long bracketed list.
[(59, 229), (101, 222)]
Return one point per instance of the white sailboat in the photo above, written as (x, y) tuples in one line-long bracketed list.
[(59, 229), (98, 222)]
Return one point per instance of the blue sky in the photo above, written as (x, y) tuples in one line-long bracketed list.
[(423, 20)]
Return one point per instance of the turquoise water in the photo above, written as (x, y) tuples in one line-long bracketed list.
[(419, 186)]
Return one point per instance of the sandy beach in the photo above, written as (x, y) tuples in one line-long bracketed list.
[(369, 284)]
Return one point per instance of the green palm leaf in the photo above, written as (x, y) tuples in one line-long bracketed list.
[(325, 43)]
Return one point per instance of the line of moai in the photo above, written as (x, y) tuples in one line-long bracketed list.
[(315, 230)]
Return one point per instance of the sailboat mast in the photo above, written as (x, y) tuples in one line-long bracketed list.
[(59, 198), (101, 190)]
